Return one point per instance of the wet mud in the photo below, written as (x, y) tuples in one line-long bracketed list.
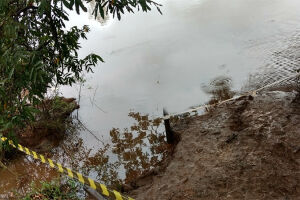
[(50, 125), (246, 149), (20, 174)]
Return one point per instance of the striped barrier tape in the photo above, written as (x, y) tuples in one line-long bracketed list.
[(113, 194), (253, 93)]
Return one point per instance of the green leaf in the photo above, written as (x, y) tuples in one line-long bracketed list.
[(67, 4), (11, 72), (78, 5), (31, 73), (101, 10)]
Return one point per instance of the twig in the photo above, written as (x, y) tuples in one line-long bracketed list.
[(95, 94), (90, 132), (4, 167), (79, 97), (94, 193), (99, 108), (92, 100)]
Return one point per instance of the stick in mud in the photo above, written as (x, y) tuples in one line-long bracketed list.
[(93, 193), (4, 167), (169, 133)]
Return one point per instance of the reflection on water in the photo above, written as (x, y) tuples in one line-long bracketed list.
[(100, 167), (21, 172), (140, 147), (220, 89), (133, 151)]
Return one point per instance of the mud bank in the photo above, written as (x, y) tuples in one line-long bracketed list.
[(46, 132), (246, 149), (50, 125)]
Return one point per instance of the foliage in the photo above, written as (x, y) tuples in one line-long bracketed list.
[(1, 148), (37, 51), (58, 107), (54, 191), (5, 146)]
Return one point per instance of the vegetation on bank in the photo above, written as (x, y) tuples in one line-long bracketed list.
[(53, 191), (52, 121)]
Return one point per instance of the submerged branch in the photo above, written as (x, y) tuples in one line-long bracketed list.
[(4, 167)]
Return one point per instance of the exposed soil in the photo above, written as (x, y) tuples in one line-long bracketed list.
[(50, 126), (41, 135), (246, 149)]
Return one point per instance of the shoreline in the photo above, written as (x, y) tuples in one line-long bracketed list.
[(217, 133), (247, 148)]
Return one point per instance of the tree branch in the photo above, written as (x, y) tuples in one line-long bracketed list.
[(25, 9)]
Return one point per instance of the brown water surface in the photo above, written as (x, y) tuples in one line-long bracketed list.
[(21, 173)]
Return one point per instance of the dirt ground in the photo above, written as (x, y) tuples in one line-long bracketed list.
[(246, 149)]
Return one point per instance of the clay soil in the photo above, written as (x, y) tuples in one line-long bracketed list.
[(49, 128), (246, 149)]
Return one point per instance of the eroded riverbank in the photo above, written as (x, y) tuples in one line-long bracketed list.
[(246, 149)]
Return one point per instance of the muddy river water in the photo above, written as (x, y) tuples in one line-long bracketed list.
[(155, 61)]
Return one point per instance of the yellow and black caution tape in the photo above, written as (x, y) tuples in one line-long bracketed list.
[(113, 194)]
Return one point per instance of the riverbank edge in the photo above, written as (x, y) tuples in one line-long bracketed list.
[(165, 181)]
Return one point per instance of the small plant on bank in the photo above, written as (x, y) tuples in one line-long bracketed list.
[(53, 191)]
